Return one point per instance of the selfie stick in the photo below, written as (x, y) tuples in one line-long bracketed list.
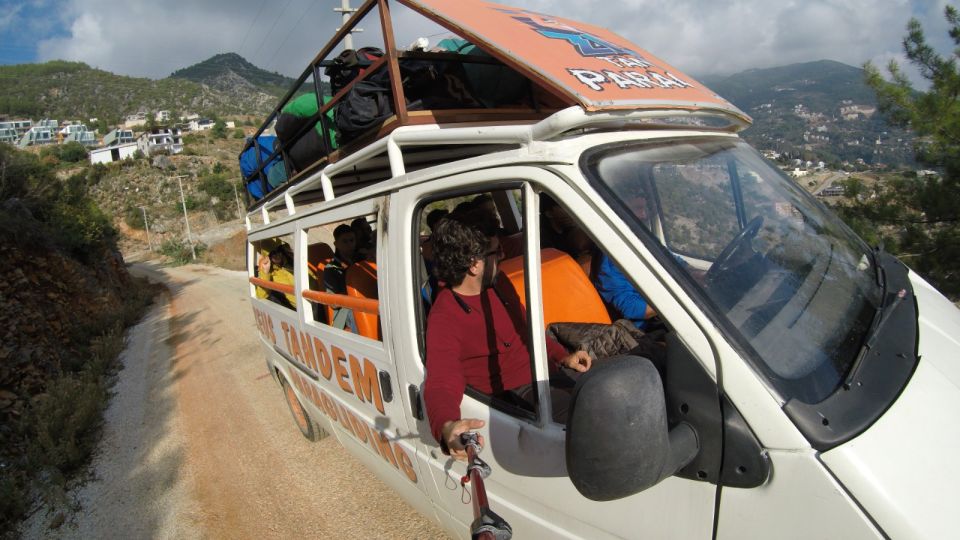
[(487, 525)]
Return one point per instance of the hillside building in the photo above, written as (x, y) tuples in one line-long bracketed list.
[(16, 128), (201, 124), (77, 133), (135, 120), (162, 116), (45, 132), (8, 135), (160, 140), (118, 137), (110, 154)]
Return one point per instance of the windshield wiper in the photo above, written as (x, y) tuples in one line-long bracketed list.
[(879, 320), (881, 274)]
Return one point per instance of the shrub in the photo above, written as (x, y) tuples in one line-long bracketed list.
[(179, 251), (73, 152), (133, 217), (63, 422), (239, 134)]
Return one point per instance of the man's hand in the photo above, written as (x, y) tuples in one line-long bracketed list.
[(578, 361), (452, 431)]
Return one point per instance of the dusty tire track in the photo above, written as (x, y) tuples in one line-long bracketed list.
[(234, 464)]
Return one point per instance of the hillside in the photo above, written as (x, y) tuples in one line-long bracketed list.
[(223, 71), (816, 110), (74, 90)]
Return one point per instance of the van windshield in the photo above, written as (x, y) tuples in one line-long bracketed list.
[(793, 286)]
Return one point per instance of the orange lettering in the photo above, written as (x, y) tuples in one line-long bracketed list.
[(328, 406), (366, 381), (309, 357), (313, 395), (273, 335), (359, 428), (338, 366), (383, 447), (323, 359), (405, 464), (345, 419), (293, 345), (286, 337)]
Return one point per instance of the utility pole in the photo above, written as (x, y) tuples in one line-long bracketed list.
[(147, 227), (347, 12), (237, 197), (183, 201)]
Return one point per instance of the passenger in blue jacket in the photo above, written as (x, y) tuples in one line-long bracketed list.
[(620, 294)]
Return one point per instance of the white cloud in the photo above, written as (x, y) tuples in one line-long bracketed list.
[(697, 36)]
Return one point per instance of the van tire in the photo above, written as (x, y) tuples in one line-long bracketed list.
[(308, 428)]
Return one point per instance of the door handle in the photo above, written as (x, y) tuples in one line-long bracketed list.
[(386, 388), (416, 407)]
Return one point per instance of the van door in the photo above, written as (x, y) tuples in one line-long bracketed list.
[(336, 358), (529, 486)]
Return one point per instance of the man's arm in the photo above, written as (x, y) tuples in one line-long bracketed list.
[(444, 384)]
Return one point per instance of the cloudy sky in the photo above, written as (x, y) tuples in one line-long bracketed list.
[(153, 38)]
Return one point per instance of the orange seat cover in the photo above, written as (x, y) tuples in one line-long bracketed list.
[(362, 283), (568, 295)]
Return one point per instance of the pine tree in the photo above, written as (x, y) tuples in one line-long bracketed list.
[(918, 216)]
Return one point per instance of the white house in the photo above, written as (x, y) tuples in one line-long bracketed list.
[(162, 116), (135, 120), (160, 139), (78, 133), (201, 124), (113, 153), (117, 137), (38, 135)]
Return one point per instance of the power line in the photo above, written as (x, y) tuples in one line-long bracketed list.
[(290, 33), (272, 26), (252, 24)]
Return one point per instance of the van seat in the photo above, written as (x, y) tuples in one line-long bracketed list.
[(568, 295), (318, 255), (512, 245), (362, 283)]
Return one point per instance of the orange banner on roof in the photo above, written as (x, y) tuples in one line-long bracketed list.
[(590, 65)]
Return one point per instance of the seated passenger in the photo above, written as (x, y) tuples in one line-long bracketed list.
[(277, 267), (366, 247), (559, 231), (335, 274), (476, 334), (620, 295), (428, 291)]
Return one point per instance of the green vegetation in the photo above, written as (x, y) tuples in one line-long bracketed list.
[(223, 64), (63, 210), (918, 218), (73, 90), (46, 220), (219, 130), (179, 251), (222, 198), (71, 152)]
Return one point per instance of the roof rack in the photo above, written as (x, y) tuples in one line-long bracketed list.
[(614, 84)]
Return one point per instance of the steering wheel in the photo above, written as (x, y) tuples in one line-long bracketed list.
[(739, 243)]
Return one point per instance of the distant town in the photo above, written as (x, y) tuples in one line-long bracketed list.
[(161, 136)]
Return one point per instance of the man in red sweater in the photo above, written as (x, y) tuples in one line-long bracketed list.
[(476, 331)]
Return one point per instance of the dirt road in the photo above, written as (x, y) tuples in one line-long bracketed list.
[(198, 442)]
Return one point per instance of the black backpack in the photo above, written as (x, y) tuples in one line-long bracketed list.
[(366, 105), (347, 65)]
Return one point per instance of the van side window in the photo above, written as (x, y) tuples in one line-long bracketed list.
[(342, 276), (274, 271), (589, 303), (474, 331)]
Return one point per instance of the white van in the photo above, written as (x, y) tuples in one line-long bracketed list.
[(806, 379)]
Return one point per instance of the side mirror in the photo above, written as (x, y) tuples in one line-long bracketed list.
[(618, 443)]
